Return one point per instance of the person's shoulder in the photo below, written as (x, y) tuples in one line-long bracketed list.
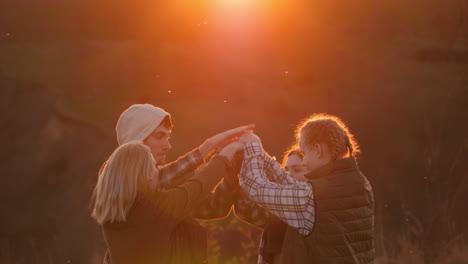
[(146, 205)]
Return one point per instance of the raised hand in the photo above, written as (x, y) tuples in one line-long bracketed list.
[(249, 138), (223, 139), (231, 150)]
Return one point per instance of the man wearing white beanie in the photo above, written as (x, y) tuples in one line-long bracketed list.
[(139, 122), (152, 126)]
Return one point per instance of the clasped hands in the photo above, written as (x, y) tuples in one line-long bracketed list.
[(235, 148), (230, 144)]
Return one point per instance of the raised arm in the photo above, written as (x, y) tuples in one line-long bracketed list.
[(274, 171), (218, 203), (293, 203), (179, 202), (177, 172)]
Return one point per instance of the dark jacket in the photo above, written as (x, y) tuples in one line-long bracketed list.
[(273, 228), (344, 219), (159, 226), (272, 239)]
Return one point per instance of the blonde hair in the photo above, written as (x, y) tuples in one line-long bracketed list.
[(328, 129), (126, 172)]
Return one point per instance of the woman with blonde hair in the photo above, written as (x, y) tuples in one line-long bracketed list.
[(138, 217)]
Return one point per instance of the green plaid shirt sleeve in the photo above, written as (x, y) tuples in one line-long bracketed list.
[(178, 171), (292, 203)]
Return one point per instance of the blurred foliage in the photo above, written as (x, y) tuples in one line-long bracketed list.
[(231, 241)]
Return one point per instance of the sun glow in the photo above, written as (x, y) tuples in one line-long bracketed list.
[(237, 4)]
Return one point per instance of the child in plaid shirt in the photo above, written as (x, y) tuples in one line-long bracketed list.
[(330, 217)]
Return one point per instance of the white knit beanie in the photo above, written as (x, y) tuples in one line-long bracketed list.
[(138, 121)]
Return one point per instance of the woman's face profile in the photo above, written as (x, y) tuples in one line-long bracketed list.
[(295, 167)]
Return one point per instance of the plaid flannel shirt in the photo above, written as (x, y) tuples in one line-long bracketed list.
[(268, 184), (178, 171)]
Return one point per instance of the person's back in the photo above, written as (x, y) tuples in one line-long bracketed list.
[(151, 236), (140, 238), (344, 221)]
